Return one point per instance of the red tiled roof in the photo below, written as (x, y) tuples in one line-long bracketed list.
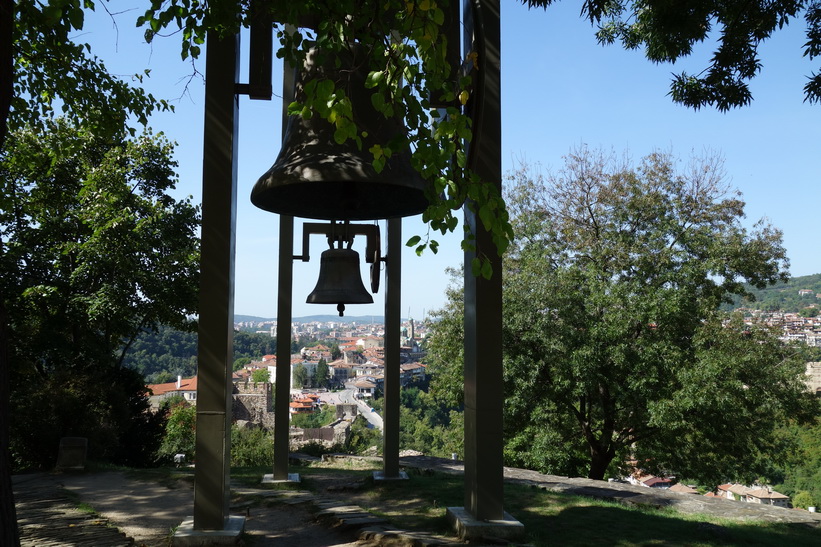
[(683, 488), (766, 493), (655, 480), (187, 384)]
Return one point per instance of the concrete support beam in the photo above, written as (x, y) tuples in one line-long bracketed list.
[(216, 315), (484, 397), (283, 371), (393, 289), (284, 309)]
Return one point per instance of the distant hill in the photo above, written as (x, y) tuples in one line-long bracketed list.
[(321, 318), (784, 296)]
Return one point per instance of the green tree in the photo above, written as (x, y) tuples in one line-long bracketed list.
[(803, 500), (325, 416), (322, 376), (802, 469), (94, 252), (612, 338), (336, 353), (241, 363), (809, 312), (180, 433), (300, 375), (41, 65), (668, 31), (251, 446), (261, 375)]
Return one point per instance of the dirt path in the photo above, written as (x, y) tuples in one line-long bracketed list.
[(148, 512)]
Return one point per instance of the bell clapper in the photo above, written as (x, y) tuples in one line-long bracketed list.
[(341, 309)]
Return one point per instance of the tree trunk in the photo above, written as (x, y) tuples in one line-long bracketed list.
[(6, 64), (599, 460), (8, 516)]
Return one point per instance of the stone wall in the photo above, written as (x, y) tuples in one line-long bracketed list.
[(351, 410), (814, 376), (334, 434), (254, 403)]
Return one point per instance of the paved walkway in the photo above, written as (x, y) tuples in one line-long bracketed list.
[(47, 516)]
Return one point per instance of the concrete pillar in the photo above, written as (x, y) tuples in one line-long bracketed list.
[(484, 397), (216, 315), (393, 289)]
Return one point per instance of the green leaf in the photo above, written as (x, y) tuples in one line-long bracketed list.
[(374, 78), (476, 266), (324, 89), (487, 269), (413, 241)]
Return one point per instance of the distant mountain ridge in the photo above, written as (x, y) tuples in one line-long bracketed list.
[(315, 318), (786, 297)]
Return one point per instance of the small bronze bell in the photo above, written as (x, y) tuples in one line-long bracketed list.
[(339, 280), (314, 177)]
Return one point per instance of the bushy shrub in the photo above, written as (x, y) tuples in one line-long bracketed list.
[(321, 418), (803, 500), (317, 449), (251, 447), (363, 438), (180, 434), (108, 406)]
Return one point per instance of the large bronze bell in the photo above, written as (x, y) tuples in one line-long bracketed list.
[(339, 280), (314, 177)]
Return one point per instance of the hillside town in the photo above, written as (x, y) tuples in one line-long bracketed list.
[(354, 354), (355, 361), (794, 327)]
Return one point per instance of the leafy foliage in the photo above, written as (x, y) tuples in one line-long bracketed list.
[(322, 376), (429, 426), (362, 438), (325, 416), (94, 251), (260, 375), (300, 376), (782, 296), (613, 344), (108, 406), (669, 31), (801, 472), (163, 354), (252, 446), (180, 433), (54, 73)]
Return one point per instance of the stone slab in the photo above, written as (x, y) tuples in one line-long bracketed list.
[(72, 454), (293, 478), (471, 529), (380, 476), (186, 536)]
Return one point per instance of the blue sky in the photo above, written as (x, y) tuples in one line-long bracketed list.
[(560, 89)]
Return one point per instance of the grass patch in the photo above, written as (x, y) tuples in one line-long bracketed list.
[(550, 518), (553, 518)]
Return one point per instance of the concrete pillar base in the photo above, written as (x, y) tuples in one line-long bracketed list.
[(293, 478), (185, 535), (380, 476), (469, 528)]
